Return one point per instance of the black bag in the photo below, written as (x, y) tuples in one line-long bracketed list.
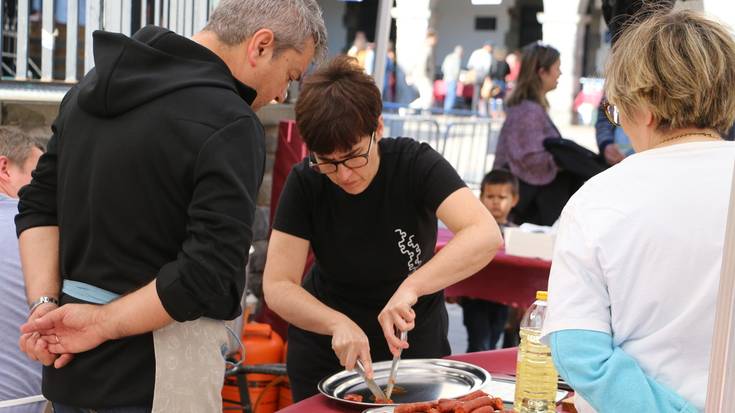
[(572, 157)]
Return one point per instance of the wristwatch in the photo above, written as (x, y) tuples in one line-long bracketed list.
[(42, 300)]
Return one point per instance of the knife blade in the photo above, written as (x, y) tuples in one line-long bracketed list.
[(394, 368), (371, 385)]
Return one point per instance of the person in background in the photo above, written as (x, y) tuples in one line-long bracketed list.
[(143, 205), (639, 251), (423, 72), (544, 189), (479, 65), (367, 206), (485, 320), (451, 67), (498, 72), (363, 51), (20, 378), (390, 78), (612, 142), (514, 64)]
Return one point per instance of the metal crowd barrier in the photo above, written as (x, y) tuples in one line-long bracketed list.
[(470, 148), (468, 143), (421, 128)]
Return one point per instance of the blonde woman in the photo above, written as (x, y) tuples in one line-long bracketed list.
[(637, 262)]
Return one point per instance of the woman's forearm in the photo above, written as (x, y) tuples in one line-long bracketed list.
[(470, 250), (607, 377), (295, 305)]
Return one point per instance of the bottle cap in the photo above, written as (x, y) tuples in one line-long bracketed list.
[(542, 295)]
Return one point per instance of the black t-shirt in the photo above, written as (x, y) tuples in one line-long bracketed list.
[(365, 245)]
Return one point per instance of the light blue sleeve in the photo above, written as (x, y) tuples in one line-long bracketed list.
[(607, 377)]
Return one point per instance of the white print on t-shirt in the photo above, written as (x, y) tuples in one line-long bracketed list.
[(413, 251)]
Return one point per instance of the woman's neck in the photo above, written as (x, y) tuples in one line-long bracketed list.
[(684, 136)]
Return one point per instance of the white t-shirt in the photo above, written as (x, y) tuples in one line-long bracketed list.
[(638, 256), (480, 61)]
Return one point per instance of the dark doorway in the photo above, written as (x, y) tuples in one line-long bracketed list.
[(530, 28), (360, 17)]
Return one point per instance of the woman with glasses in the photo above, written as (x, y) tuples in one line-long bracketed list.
[(544, 189), (367, 206), (639, 251)]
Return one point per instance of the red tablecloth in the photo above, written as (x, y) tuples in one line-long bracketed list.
[(507, 279), (498, 361)]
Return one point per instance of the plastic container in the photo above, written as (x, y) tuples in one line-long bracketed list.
[(285, 398), (262, 345), (536, 377)]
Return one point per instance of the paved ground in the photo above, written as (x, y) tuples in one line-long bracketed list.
[(457, 331)]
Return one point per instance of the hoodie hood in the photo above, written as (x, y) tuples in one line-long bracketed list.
[(133, 71)]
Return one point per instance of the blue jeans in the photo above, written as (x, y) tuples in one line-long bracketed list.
[(60, 408), (451, 95)]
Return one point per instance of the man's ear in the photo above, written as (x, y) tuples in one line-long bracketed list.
[(4, 169), (515, 198), (260, 45)]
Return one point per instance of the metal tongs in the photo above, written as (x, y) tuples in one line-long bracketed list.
[(380, 397), (394, 368)]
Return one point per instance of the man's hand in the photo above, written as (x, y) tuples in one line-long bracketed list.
[(32, 344), (612, 154), (398, 315), (72, 328)]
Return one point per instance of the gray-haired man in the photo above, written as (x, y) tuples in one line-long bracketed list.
[(147, 192), (20, 379)]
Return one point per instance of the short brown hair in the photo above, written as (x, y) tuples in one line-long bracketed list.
[(16, 145), (338, 105), (680, 66)]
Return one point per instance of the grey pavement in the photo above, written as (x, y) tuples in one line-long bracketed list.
[(457, 331)]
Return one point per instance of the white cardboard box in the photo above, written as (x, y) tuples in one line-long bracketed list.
[(529, 244)]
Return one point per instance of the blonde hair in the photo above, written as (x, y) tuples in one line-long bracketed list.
[(680, 66)]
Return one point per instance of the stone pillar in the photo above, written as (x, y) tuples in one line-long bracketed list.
[(412, 21), (33, 118), (721, 10), (563, 28)]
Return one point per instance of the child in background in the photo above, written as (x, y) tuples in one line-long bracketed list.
[(485, 320)]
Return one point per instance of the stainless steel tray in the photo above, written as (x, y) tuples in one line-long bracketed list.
[(422, 380)]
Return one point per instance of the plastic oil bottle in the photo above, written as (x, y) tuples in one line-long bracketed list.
[(536, 377)]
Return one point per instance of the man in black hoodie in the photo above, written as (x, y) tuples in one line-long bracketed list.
[(147, 193)]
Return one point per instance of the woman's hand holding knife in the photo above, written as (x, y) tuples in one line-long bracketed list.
[(350, 343)]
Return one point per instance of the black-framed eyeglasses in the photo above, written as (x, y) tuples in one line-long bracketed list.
[(353, 162), (611, 113)]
